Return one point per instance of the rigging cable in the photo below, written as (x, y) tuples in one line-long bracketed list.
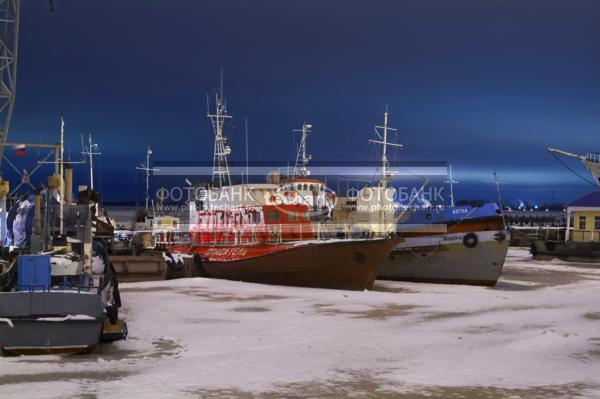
[(572, 170)]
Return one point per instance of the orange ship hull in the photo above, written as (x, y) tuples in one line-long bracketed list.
[(337, 264)]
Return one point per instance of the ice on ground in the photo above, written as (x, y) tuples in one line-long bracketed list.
[(536, 334)]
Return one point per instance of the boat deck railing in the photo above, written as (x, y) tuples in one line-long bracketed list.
[(593, 157), (268, 234), (79, 289)]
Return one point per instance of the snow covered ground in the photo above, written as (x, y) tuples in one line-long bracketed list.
[(536, 334)]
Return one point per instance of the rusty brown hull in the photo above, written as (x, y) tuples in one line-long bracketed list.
[(344, 264)]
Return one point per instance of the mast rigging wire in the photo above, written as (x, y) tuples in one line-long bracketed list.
[(572, 170)]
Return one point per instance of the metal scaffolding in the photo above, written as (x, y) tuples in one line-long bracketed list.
[(9, 45)]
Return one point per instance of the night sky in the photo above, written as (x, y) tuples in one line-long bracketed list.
[(481, 84)]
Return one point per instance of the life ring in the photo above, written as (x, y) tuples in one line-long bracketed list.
[(470, 240)]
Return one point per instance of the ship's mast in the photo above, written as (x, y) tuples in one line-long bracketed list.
[(246, 140), (221, 175), (452, 182), (61, 194), (302, 159), (383, 140), (89, 151), (498, 183), (147, 169)]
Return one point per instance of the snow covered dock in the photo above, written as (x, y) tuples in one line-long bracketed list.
[(535, 335)]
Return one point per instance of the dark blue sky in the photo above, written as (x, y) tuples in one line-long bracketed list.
[(481, 84)]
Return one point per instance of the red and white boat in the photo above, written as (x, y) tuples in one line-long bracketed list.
[(278, 244), (268, 236)]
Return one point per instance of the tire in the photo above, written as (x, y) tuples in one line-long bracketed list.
[(470, 240)]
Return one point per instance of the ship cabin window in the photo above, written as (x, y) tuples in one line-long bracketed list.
[(255, 217), (312, 187), (272, 216), (582, 222), (597, 223), (291, 216), (305, 187)]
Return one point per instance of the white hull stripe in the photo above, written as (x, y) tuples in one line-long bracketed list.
[(447, 239)]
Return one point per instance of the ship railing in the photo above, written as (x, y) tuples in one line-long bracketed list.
[(277, 233), (225, 236), (593, 157), (35, 288)]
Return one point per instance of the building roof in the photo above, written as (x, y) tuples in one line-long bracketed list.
[(589, 200)]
